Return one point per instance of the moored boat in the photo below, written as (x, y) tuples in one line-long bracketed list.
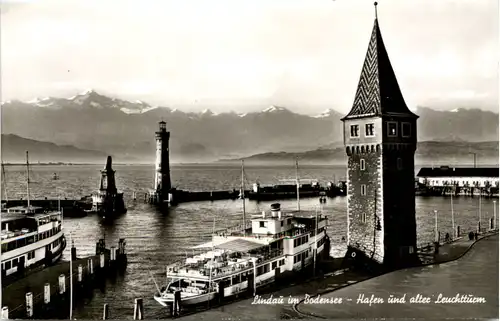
[(246, 257), (30, 236)]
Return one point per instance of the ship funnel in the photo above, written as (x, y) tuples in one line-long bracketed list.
[(275, 208)]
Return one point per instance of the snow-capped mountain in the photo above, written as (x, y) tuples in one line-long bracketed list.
[(328, 113), (93, 99), (275, 109)]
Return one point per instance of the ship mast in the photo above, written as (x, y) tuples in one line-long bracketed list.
[(212, 262), (243, 196), (4, 183), (28, 178), (297, 180)]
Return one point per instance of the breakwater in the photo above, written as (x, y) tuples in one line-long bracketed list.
[(70, 207)]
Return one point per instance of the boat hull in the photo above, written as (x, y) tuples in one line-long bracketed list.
[(186, 300)]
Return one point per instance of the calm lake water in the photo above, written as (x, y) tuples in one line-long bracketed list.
[(155, 239)]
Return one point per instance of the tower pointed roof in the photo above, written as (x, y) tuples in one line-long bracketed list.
[(378, 91)]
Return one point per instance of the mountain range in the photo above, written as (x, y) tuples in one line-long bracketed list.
[(95, 123), (14, 150), (428, 153)]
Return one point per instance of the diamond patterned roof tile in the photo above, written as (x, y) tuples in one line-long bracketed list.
[(378, 92)]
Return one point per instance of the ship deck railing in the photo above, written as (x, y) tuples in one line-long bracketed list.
[(273, 237), (237, 230), (220, 269), (7, 235)]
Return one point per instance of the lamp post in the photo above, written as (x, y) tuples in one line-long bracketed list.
[(494, 215), (474, 158), (315, 248), (452, 218), (436, 226)]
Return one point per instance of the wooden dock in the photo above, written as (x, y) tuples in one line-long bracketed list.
[(46, 294)]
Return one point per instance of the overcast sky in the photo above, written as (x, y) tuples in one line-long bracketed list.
[(241, 55)]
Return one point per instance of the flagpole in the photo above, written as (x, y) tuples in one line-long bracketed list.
[(243, 197), (315, 249), (297, 181), (452, 218)]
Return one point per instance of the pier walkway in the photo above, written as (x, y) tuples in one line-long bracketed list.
[(13, 295), (475, 274)]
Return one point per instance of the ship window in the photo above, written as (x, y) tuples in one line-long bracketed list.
[(392, 129), (275, 264), (399, 164), (31, 255), (289, 221), (363, 217), (7, 265), (406, 129), (262, 223), (354, 130), (369, 130), (281, 223), (363, 189), (362, 164), (14, 262)]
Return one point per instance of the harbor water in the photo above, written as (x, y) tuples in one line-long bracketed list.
[(155, 239)]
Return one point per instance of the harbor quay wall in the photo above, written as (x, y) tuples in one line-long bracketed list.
[(181, 196), (51, 204), (46, 294)]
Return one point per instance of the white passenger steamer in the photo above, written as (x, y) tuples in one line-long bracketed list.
[(30, 237), (241, 260)]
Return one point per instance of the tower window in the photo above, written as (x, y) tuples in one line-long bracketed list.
[(406, 129), (363, 189), (399, 163), (362, 164), (369, 132), (392, 129), (354, 130)]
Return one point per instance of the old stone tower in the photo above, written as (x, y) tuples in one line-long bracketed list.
[(380, 137)]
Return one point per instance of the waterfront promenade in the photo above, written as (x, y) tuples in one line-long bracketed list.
[(476, 273)]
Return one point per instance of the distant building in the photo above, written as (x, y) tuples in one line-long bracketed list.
[(479, 177), (380, 137)]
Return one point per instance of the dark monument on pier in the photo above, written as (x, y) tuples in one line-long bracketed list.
[(162, 185), (107, 201), (380, 137)]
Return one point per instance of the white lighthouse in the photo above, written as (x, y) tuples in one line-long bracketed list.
[(162, 184)]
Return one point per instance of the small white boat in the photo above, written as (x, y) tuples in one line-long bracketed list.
[(192, 292)]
